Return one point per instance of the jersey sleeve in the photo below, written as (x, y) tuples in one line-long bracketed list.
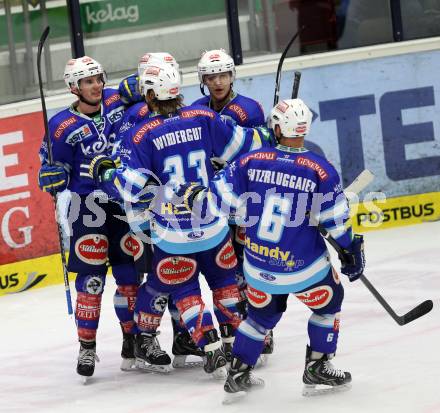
[(256, 117), (334, 214), (130, 179), (231, 140), (62, 152)]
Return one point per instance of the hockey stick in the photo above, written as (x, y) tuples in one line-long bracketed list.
[(50, 159), (417, 312), (423, 308), (280, 65), (296, 81)]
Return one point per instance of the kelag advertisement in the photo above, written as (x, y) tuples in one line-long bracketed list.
[(381, 114)]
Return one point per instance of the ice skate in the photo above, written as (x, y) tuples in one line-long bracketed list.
[(186, 353), (149, 356), (240, 381), (127, 353), (214, 360), (86, 360), (267, 349), (227, 334), (320, 376)]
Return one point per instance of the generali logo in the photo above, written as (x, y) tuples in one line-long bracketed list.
[(110, 14)]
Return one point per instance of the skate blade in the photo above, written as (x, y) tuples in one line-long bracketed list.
[(151, 368), (128, 364), (231, 398), (85, 380), (262, 360), (311, 390), (182, 362), (220, 373)]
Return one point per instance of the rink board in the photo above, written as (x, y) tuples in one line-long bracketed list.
[(30, 274), (396, 212), (374, 215)]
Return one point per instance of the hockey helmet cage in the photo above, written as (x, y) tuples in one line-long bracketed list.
[(159, 57), (215, 61), (162, 78), (293, 117), (80, 68)]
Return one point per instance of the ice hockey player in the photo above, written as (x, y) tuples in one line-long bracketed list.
[(175, 145), (284, 253), (137, 111), (80, 132), (216, 70), (129, 87)]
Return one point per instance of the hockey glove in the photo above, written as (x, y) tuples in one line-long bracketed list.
[(353, 261), (266, 136), (129, 90), (218, 163), (147, 196), (53, 178), (186, 193), (101, 169)]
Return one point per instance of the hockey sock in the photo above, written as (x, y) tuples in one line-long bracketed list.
[(87, 313), (88, 304), (124, 302), (178, 326), (225, 305), (323, 332), (249, 341), (149, 309), (197, 320)]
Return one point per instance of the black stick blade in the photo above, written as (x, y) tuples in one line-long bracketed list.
[(417, 312)]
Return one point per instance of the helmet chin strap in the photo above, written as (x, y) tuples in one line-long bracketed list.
[(202, 89)]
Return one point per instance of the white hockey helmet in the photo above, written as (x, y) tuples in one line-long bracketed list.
[(293, 117), (215, 61), (162, 78), (77, 69), (159, 57)]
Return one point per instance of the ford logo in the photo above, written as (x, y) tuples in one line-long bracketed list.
[(196, 235), (267, 277)]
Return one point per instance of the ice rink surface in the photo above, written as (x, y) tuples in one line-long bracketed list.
[(395, 368)]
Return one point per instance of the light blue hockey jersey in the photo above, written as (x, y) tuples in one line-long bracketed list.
[(283, 252), (178, 149)]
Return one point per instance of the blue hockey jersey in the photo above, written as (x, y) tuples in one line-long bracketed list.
[(178, 149), (242, 110), (283, 252), (77, 138), (133, 115)]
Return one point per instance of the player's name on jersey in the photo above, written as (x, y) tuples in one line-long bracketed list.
[(266, 251), (281, 179), (177, 137)]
